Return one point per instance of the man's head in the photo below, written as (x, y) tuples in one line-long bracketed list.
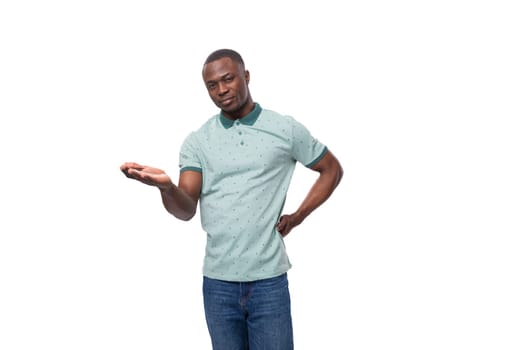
[(227, 83), (233, 55)]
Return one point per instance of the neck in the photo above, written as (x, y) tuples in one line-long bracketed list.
[(244, 110)]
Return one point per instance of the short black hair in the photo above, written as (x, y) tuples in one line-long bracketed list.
[(218, 54)]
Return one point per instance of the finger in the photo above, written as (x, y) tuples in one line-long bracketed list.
[(282, 225), (284, 231), (126, 165), (132, 165), (130, 173), (137, 175), (125, 171)]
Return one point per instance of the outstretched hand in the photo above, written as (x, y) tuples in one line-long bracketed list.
[(147, 175)]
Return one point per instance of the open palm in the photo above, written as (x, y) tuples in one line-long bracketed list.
[(147, 175)]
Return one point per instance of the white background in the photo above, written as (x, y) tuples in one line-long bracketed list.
[(421, 246)]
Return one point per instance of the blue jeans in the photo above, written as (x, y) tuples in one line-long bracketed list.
[(249, 315)]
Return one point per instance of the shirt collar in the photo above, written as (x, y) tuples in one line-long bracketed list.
[(248, 119)]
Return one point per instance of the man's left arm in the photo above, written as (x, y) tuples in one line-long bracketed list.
[(330, 174)]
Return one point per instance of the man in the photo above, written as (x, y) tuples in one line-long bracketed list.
[(239, 165)]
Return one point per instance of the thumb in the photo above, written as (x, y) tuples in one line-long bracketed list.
[(281, 224)]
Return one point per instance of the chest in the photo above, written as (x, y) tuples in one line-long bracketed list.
[(244, 151)]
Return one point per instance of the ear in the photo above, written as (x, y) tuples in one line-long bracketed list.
[(247, 76)]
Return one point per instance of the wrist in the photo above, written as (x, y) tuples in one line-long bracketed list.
[(168, 188), (298, 217)]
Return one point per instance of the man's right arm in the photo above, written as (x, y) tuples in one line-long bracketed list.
[(181, 201)]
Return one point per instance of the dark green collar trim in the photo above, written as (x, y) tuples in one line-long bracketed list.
[(248, 119)]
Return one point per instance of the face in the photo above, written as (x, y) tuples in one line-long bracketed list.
[(227, 84)]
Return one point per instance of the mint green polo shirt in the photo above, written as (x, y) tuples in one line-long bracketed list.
[(246, 168)]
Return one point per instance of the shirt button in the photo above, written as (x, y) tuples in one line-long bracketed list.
[(240, 133), (242, 143)]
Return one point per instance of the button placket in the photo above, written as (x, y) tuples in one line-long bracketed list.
[(239, 132)]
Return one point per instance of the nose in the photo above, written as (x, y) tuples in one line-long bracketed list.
[(223, 88)]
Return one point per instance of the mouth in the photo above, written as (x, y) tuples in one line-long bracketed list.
[(227, 101)]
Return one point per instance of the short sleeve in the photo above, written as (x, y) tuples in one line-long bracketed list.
[(306, 149), (189, 155)]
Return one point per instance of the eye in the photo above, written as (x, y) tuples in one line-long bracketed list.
[(212, 86), (228, 79)]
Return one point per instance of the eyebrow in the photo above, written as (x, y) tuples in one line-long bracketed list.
[(225, 75)]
